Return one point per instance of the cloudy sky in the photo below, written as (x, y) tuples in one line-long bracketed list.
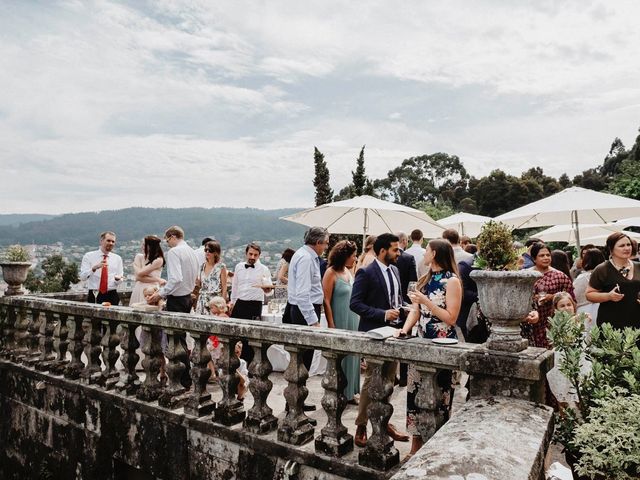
[(107, 104)]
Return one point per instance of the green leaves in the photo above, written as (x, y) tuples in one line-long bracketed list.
[(495, 247)]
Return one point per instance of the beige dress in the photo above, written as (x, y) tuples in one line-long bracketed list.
[(136, 294)]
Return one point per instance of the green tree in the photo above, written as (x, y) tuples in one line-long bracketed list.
[(591, 179), (498, 192), (549, 185), (58, 276), (324, 193), (360, 181), (627, 181), (564, 181), (425, 179), (612, 162)]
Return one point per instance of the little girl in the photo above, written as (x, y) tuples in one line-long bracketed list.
[(559, 384), (217, 307)]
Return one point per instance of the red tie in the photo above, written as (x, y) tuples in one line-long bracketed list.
[(104, 277)]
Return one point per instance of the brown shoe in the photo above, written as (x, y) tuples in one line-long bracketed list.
[(361, 436), (396, 435)]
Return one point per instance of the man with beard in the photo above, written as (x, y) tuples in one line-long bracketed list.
[(377, 298), (102, 269)]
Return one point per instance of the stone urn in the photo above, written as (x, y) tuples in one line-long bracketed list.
[(505, 299), (15, 273)]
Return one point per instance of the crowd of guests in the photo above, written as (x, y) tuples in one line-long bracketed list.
[(421, 291)]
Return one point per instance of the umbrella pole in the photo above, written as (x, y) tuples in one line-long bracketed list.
[(574, 221), (365, 227)]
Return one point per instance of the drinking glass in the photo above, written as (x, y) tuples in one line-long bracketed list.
[(412, 286), (541, 296)]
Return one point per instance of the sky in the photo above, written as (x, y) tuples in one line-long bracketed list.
[(169, 103)]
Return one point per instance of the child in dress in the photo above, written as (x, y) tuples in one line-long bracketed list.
[(217, 307), (148, 293)]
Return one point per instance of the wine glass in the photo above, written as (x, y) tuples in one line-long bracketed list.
[(541, 297), (412, 286)]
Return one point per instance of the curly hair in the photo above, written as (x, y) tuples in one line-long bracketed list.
[(340, 253)]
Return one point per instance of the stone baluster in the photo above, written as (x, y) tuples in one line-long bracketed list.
[(76, 347), (129, 382), (295, 428), (92, 349), (229, 410), (173, 395), (380, 453), (153, 359), (47, 327), (60, 345), (199, 403), (110, 355), (33, 339), (8, 319), (260, 418), (429, 402), (21, 335), (334, 439)]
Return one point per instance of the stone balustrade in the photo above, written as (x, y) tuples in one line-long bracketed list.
[(83, 342)]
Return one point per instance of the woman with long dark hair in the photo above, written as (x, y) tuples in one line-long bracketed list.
[(437, 302), (336, 285), (212, 278), (615, 285), (147, 267)]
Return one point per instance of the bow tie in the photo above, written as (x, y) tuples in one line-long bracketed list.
[(249, 265)]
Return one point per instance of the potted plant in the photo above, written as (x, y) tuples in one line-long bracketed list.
[(600, 433), (505, 294), (15, 266)]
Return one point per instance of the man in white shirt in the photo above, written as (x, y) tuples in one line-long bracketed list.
[(246, 298), (417, 251), (459, 254), (182, 270), (103, 271)]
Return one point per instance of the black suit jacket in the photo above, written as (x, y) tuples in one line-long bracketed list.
[(370, 297), (406, 264)]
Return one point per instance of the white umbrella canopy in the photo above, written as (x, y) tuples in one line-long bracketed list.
[(465, 223), (367, 215), (601, 240), (566, 233), (573, 205)]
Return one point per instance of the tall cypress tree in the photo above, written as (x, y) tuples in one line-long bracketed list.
[(359, 176), (324, 193)]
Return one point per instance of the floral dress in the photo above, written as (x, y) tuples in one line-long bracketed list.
[(209, 288), (430, 326)]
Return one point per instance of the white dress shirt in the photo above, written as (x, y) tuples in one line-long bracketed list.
[(182, 270), (244, 278), (460, 255), (200, 255), (114, 267), (418, 253), (395, 302), (305, 283)]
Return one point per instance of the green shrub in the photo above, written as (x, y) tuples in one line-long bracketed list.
[(17, 253), (495, 247)]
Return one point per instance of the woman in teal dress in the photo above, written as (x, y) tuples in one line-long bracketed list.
[(438, 297), (337, 283)]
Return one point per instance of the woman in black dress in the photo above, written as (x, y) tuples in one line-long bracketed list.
[(615, 284)]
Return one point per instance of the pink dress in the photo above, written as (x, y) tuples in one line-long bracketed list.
[(136, 294)]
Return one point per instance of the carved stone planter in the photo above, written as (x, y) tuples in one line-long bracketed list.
[(505, 299), (15, 273)]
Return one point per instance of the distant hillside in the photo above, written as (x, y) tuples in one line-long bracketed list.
[(231, 226), (18, 218)]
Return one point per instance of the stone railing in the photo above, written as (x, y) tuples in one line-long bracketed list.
[(78, 342)]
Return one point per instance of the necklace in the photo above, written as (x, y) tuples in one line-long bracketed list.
[(624, 271)]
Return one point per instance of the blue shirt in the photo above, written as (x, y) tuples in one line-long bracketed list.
[(305, 283)]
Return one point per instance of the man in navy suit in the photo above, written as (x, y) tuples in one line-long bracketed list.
[(376, 298)]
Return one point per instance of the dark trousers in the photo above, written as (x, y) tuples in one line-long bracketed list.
[(111, 296), (248, 310), (182, 304), (295, 317)]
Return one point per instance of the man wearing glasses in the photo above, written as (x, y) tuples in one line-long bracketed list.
[(182, 270)]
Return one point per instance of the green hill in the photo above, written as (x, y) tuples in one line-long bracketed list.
[(229, 225)]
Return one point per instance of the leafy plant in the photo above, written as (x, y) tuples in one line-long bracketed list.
[(495, 247), (609, 442), (613, 377), (17, 253), (58, 276)]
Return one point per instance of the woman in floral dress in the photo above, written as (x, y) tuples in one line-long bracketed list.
[(212, 278), (438, 297)]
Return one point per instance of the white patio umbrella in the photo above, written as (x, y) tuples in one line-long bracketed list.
[(367, 215), (601, 240), (465, 223), (573, 205), (566, 233)]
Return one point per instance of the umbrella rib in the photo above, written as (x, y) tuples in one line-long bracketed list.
[(600, 216), (381, 218), (340, 217), (431, 221)]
